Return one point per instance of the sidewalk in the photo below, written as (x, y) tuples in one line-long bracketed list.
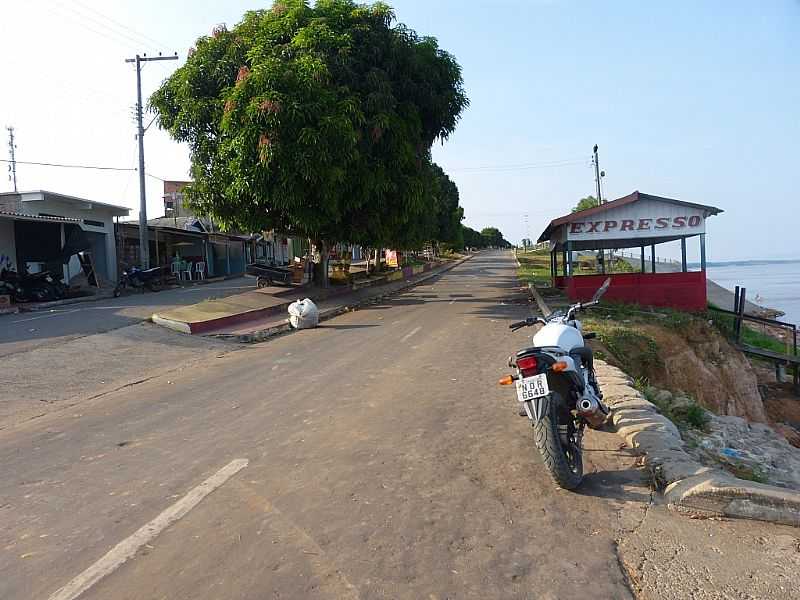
[(256, 315)]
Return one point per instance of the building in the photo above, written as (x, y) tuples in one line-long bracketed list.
[(45, 230), (635, 221)]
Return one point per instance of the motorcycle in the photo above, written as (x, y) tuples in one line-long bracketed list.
[(558, 390), (32, 287), (139, 279)]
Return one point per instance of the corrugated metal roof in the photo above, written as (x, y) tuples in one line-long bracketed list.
[(26, 217)]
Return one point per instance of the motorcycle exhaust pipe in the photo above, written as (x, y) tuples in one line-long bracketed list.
[(591, 410)]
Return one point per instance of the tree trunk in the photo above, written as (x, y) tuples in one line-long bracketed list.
[(377, 260), (322, 273)]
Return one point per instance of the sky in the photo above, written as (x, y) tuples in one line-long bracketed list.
[(694, 101)]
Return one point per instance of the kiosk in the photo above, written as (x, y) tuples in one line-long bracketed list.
[(634, 221)]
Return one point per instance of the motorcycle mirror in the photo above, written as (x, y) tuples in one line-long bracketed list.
[(602, 290)]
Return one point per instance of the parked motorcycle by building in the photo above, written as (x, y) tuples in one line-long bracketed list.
[(558, 390), (151, 279), (32, 287)]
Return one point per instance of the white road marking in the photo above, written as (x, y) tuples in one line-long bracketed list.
[(128, 547), (452, 301), (47, 316), (410, 333)]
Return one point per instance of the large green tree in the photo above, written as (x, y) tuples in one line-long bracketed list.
[(314, 119)]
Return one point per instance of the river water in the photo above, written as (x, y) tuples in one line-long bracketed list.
[(777, 283)]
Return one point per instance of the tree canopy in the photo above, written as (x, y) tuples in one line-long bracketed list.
[(584, 203), (488, 236), (493, 237), (319, 120)]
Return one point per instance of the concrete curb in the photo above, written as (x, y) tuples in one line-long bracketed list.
[(687, 484), (264, 334)]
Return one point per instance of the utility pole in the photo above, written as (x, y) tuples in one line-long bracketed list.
[(12, 148), (596, 162), (144, 243)]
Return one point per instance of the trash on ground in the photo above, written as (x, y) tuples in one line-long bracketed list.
[(303, 314)]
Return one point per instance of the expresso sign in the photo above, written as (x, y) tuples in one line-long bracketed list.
[(663, 225)]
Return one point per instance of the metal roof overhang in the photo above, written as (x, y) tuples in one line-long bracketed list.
[(37, 218)]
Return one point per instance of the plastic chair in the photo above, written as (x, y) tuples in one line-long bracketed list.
[(186, 267), (174, 268), (200, 270)]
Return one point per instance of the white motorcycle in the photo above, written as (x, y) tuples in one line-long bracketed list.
[(557, 389)]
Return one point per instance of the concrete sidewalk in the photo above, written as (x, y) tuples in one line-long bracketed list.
[(255, 315)]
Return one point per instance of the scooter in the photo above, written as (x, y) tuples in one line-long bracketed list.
[(139, 279), (557, 389)]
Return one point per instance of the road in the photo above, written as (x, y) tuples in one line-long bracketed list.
[(382, 461), (27, 331)]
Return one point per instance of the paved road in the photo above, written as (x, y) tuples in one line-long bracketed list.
[(383, 462), (26, 331)]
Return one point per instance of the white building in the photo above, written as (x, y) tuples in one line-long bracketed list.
[(40, 229)]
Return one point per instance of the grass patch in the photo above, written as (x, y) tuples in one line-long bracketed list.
[(534, 267), (744, 472), (685, 415), (750, 336), (628, 345)]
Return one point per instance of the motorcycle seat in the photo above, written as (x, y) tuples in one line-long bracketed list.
[(584, 356)]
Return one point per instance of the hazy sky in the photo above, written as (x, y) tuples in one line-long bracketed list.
[(696, 101)]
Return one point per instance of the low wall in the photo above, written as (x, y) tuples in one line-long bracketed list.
[(684, 291)]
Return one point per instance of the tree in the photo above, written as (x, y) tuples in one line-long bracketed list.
[(494, 238), (317, 120), (584, 203), (472, 238)]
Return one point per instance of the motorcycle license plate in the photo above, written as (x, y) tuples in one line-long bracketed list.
[(532, 387)]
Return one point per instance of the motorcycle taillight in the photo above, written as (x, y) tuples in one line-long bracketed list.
[(527, 365)]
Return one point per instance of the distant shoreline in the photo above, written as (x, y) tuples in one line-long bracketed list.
[(748, 262)]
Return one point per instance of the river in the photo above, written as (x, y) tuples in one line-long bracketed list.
[(777, 283)]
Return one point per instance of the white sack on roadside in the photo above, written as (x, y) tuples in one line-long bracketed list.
[(303, 314)]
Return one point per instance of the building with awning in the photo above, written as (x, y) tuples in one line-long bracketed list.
[(640, 221), (43, 230)]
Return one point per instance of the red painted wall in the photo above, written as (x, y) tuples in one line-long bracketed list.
[(684, 291)]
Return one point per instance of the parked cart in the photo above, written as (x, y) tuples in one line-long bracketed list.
[(266, 275)]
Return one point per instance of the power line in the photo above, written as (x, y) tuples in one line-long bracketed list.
[(111, 37), (124, 27), (521, 167), (66, 166), (118, 31)]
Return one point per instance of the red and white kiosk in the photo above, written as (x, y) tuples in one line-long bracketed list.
[(634, 221)]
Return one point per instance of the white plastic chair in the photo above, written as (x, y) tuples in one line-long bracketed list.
[(174, 267), (200, 270), (186, 269)]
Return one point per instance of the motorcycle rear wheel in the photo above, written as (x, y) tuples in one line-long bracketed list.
[(565, 464)]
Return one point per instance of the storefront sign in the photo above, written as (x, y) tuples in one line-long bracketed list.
[(391, 258), (639, 220)]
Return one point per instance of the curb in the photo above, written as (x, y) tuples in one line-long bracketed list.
[(264, 334), (196, 327), (687, 485), (199, 327)]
